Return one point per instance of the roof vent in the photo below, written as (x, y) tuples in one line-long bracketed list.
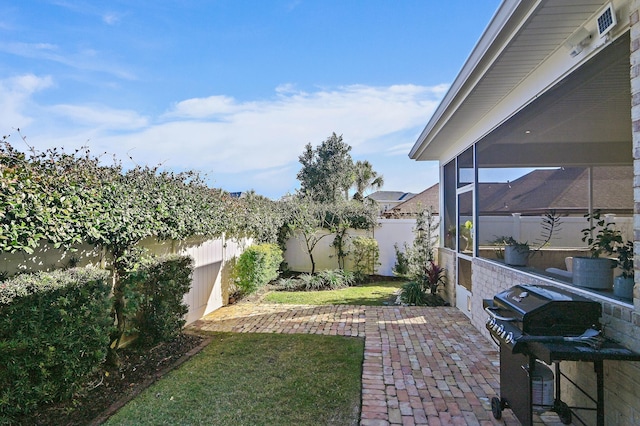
[(606, 20)]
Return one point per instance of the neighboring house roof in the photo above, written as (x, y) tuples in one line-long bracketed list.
[(561, 189), (429, 198), (387, 196)]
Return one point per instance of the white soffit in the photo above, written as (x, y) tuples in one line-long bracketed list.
[(513, 47)]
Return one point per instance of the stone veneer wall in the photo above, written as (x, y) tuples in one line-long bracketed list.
[(634, 22)]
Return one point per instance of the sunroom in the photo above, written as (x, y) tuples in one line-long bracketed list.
[(535, 144), (537, 125)]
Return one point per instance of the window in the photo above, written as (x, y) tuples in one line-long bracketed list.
[(548, 159), (449, 214), (466, 171)]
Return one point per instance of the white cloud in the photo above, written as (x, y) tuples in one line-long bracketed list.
[(101, 117), (16, 107), (205, 107), (111, 18), (261, 138), (84, 60), (400, 149)]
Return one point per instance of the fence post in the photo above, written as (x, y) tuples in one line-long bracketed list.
[(517, 226)]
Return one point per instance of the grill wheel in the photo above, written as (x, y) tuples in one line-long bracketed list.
[(496, 408)]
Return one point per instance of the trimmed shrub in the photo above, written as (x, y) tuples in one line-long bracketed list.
[(155, 293), (54, 332), (257, 266)]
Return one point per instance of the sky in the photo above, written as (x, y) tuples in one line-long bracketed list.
[(233, 89)]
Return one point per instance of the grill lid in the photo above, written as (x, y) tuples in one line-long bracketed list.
[(548, 311)]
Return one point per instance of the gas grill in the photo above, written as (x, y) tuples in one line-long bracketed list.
[(543, 323)]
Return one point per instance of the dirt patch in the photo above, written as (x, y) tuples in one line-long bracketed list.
[(109, 389)]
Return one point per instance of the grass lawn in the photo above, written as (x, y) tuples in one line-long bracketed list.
[(257, 379), (371, 294)]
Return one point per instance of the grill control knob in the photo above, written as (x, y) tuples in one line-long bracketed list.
[(509, 339)]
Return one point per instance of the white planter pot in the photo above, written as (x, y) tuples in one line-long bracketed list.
[(516, 256), (595, 273), (623, 287)]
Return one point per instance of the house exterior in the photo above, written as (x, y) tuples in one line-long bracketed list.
[(429, 198), (551, 89), (387, 200)]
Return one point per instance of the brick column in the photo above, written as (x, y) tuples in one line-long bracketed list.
[(635, 119)]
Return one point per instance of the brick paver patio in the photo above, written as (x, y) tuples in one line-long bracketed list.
[(422, 366)]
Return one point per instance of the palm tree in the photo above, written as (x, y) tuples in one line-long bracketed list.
[(365, 178)]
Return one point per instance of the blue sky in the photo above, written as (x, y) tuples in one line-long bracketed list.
[(234, 89)]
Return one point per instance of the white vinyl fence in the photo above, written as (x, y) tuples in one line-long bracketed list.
[(387, 233), (210, 257), (528, 228)]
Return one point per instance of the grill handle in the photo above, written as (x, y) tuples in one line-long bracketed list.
[(498, 317)]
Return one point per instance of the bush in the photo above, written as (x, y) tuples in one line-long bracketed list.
[(333, 279), (288, 284), (311, 282), (228, 285), (401, 268), (155, 292), (330, 279), (257, 266), (54, 332), (365, 255), (412, 293)]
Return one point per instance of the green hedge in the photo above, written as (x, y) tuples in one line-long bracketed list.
[(54, 331), (257, 266), (155, 294)]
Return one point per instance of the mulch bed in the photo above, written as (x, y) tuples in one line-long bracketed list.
[(104, 393)]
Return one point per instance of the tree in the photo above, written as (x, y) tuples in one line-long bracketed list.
[(327, 172), (314, 221), (349, 215), (308, 219), (365, 178), (417, 263)]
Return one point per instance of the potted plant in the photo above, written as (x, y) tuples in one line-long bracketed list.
[(596, 271), (517, 253), (623, 283)]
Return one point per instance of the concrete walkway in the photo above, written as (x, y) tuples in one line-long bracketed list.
[(422, 366)]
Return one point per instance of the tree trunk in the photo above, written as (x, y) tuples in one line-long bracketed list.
[(313, 263)]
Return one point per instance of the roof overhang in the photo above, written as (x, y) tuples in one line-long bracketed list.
[(523, 54)]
